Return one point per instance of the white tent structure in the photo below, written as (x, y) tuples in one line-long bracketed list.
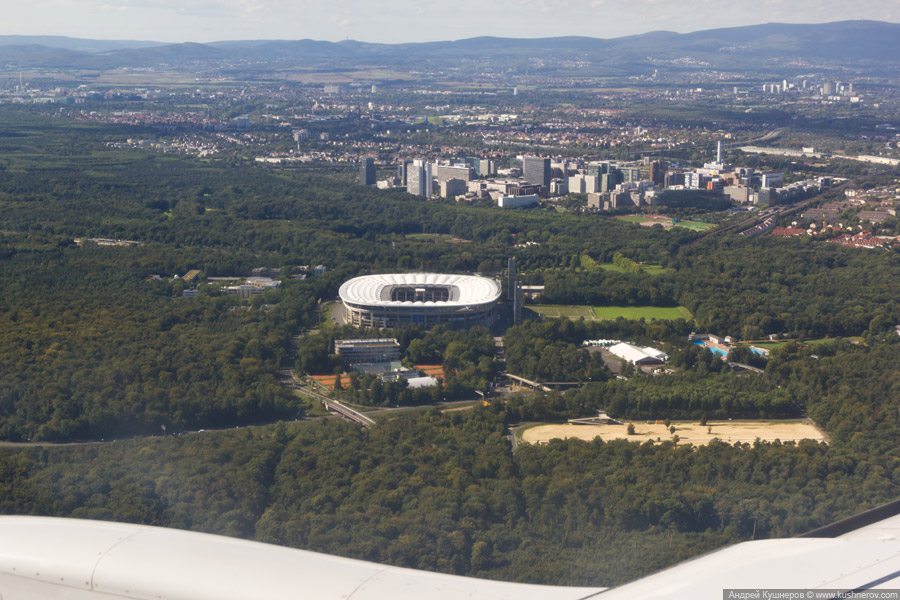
[(638, 355)]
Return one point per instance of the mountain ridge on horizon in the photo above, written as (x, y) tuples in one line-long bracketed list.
[(840, 41), (75, 43)]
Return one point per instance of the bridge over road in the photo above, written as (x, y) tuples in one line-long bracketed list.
[(331, 404)]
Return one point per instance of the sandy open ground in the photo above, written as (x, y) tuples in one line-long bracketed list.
[(687, 432)]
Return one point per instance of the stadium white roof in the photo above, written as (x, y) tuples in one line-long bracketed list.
[(375, 290)]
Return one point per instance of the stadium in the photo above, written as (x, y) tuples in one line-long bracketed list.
[(425, 299)]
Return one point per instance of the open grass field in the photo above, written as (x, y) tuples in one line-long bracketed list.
[(695, 225), (655, 269), (429, 237), (688, 432), (313, 77), (599, 313), (566, 312), (669, 313), (129, 78), (650, 220), (636, 219), (612, 267), (778, 344), (648, 269), (435, 237)]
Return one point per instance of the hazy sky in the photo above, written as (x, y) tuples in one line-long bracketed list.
[(408, 21)]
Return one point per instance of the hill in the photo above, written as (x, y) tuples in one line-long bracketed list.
[(865, 44)]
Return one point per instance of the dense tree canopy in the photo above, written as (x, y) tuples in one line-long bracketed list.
[(92, 346)]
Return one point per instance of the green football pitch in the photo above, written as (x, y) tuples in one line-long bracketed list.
[(597, 313)]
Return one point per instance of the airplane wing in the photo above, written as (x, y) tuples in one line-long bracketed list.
[(69, 559), (867, 558)]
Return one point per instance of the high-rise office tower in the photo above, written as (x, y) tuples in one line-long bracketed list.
[(517, 304), (536, 170), (631, 174), (403, 170), (415, 179), (418, 179), (367, 171), (658, 172), (485, 168)]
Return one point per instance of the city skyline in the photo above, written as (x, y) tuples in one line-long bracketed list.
[(396, 21)]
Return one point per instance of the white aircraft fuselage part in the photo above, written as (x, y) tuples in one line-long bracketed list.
[(70, 559)]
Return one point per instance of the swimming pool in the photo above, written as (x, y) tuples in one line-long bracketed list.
[(717, 351), (723, 353)]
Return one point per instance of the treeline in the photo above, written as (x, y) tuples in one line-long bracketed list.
[(852, 390), (690, 396), (550, 349), (693, 199), (749, 288), (609, 288), (752, 288), (446, 493), (62, 178), (702, 386), (89, 348)]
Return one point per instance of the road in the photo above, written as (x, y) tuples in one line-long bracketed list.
[(768, 212), (705, 146), (747, 367)]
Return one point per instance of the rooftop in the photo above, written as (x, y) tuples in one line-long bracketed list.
[(436, 289)]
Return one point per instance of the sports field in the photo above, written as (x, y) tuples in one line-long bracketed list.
[(688, 432), (599, 313), (667, 313), (566, 312), (650, 220), (695, 225)]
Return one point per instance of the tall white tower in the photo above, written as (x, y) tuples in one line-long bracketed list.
[(719, 153)]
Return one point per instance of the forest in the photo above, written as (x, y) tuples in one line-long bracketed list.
[(446, 492), (98, 343), (91, 349)]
